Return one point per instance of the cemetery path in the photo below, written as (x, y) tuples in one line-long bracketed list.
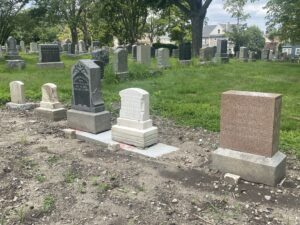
[(47, 179)]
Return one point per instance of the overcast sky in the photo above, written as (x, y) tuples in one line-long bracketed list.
[(216, 14)]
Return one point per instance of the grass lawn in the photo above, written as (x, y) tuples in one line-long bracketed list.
[(188, 95)]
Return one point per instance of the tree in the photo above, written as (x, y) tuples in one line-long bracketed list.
[(284, 16), (125, 18), (156, 25), (255, 40), (8, 10), (196, 11)]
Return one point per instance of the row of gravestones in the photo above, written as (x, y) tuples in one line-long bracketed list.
[(250, 122)]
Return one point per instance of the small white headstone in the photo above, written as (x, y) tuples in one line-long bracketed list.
[(17, 92), (49, 97)]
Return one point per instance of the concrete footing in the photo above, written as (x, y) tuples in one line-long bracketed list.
[(25, 106), (89, 122), (250, 167), (51, 114), (51, 65)]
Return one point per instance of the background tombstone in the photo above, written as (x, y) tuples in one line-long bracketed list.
[(207, 54), (22, 45), (129, 48), (17, 95), (101, 58), (252, 56), (49, 56), (221, 54), (175, 53), (121, 63), (50, 108), (134, 126), (163, 57), (82, 47), (71, 48), (34, 47), (265, 54), (134, 51), (243, 56), (152, 52), (144, 54), (185, 53), (88, 112), (95, 45), (12, 52), (249, 137)]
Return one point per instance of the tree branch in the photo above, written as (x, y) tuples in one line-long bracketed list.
[(182, 7)]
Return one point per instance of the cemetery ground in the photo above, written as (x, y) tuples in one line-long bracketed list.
[(47, 179)]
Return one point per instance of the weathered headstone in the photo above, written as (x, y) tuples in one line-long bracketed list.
[(249, 138), (265, 54), (22, 45), (34, 48), (134, 51), (12, 52), (207, 54), (134, 126), (243, 56), (221, 54), (252, 56), (144, 54), (17, 95), (50, 107), (49, 56), (101, 58), (81, 46), (129, 48), (88, 112), (121, 63), (71, 48), (185, 53), (152, 52), (163, 56)]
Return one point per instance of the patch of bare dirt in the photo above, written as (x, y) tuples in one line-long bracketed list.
[(47, 179)]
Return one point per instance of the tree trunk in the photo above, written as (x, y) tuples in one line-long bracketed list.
[(197, 29), (74, 35)]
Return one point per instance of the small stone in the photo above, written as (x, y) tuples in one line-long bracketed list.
[(69, 133), (174, 201), (7, 169), (232, 178), (267, 197)]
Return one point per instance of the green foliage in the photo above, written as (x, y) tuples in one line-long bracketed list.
[(48, 203), (236, 9), (156, 25), (284, 17)]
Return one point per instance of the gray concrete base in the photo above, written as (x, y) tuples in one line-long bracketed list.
[(51, 65), (15, 64), (51, 114), (105, 139), (89, 122), (185, 62), (25, 106), (255, 168)]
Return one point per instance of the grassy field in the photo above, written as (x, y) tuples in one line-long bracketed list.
[(188, 95)]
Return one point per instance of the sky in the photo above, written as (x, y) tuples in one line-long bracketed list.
[(216, 14)]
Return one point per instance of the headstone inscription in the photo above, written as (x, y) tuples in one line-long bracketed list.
[(250, 126), (134, 126), (88, 112), (49, 56)]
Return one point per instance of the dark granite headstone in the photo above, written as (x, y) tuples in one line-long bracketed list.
[(71, 48), (86, 87), (129, 48), (152, 52), (49, 53), (185, 51), (101, 58)]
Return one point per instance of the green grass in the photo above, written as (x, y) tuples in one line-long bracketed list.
[(189, 95)]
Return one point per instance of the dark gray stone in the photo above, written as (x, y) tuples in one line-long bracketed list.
[(185, 51), (12, 51), (221, 54), (49, 53), (121, 63), (134, 52)]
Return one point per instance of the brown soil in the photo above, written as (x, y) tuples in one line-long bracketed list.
[(47, 179)]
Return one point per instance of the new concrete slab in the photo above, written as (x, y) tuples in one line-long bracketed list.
[(105, 138)]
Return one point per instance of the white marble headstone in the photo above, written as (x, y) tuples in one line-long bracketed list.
[(49, 97), (17, 92), (134, 104)]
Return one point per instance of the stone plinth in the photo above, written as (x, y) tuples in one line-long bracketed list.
[(15, 64), (250, 126), (134, 126), (58, 65)]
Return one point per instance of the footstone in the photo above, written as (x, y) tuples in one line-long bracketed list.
[(50, 108), (134, 126), (88, 111), (15, 64), (250, 125)]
